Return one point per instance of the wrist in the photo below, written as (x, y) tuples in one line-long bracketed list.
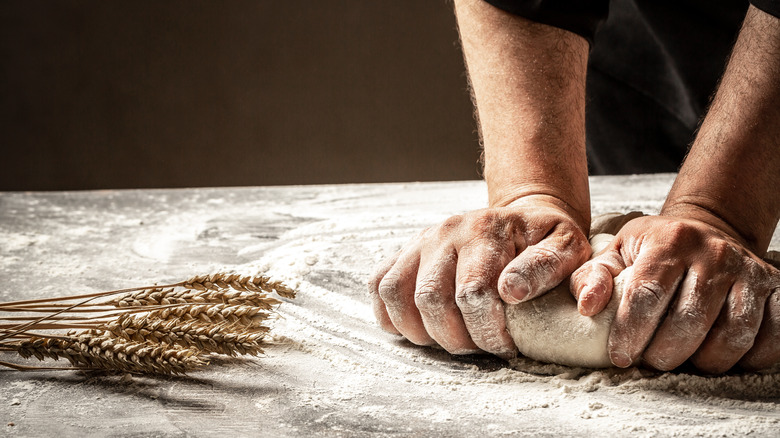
[(535, 197), (707, 211), (561, 178), (730, 177)]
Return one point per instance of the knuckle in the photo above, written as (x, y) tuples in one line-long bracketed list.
[(581, 245), (646, 295), (450, 224), (388, 288), (473, 297), (541, 266), (720, 253), (773, 305), (759, 274), (578, 278), (488, 223), (690, 323), (428, 297), (581, 273), (571, 236), (739, 334), (546, 260), (678, 232)]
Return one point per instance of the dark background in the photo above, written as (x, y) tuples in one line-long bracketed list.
[(118, 94)]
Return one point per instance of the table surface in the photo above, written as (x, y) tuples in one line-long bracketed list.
[(330, 370)]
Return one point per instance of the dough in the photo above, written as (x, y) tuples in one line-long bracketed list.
[(550, 329)]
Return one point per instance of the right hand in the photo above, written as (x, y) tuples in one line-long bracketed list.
[(449, 284)]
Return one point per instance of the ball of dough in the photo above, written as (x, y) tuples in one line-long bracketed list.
[(550, 329)]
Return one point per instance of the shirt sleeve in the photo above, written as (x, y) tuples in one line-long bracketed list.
[(582, 17), (771, 7)]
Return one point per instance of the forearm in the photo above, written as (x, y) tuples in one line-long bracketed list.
[(528, 83), (731, 176)]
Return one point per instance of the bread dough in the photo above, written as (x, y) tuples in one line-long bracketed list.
[(551, 329)]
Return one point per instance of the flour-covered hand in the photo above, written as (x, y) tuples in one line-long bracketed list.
[(450, 283), (696, 292)]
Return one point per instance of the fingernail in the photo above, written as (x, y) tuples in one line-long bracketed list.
[(584, 307), (620, 359), (584, 301), (516, 288), (583, 292)]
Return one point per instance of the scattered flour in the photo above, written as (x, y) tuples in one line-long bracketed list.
[(330, 370), (330, 328)]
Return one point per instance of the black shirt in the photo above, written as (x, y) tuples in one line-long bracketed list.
[(653, 66)]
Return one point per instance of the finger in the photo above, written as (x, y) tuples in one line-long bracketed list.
[(699, 300), (645, 299), (766, 348), (434, 297), (592, 284), (396, 289), (380, 311), (734, 331), (476, 295), (543, 266)]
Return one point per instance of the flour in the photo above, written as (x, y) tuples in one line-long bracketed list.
[(331, 329), (329, 370)]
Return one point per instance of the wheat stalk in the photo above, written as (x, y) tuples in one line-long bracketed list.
[(247, 316), (219, 338), (218, 281), (157, 296), (168, 329), (223, 280), (95, 350)]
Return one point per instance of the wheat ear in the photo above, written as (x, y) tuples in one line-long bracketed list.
[(92, 349), (245, 316), (157, 297), (238, 282), (219, 338)]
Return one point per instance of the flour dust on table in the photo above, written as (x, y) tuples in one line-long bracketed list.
[(330, 370)]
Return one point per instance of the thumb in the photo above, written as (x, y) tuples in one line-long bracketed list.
[(591, 284), (542, 266)]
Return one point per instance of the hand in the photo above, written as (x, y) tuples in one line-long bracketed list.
[(446, 286), (696, 292)]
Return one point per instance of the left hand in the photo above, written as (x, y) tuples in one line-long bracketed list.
[(696, 292)]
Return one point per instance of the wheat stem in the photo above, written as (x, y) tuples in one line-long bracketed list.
[(19, 367), (189, 296), (81, 296)]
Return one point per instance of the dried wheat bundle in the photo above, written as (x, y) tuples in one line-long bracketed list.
[(169, 329)]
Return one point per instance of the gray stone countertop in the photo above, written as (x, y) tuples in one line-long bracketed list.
[(329, 371)]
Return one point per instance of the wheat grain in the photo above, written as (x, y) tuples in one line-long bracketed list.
[(93, 349), (156, 297), (246, 316), (219, 338), (238, 282)]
